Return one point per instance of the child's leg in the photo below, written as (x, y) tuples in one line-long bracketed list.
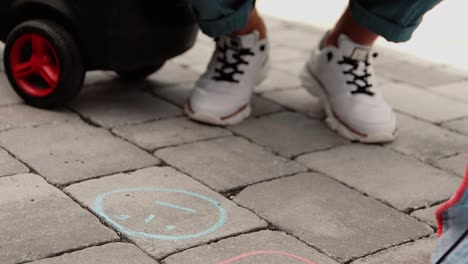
[(240, 62), (340, 71), (222, 17)]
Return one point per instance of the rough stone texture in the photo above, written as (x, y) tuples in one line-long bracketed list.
[(150, 211), (171, 132), (261, 106), (73, 151), (460, 125), (323, 213), (17, 116), (38, 220), (173, 73), (278, 80), (406, 68), (10, 166), (299, 100), (228, 163), (8, 94), (427, 142), (427, 215), (455, 164), (428, 106), (414, 253), (418, 252), (379, 172), (256, 242), (111, 105), (108, 254), (289, 134), (455, 91)]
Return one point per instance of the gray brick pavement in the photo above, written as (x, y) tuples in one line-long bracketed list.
[(427, 215), (155, 135), (37, 221), (341, 222), (415, 253), (107, 254), (298, 100), (460, 125), (265, 247), (294, 134), (378, 172), (9, 165), (73, 151), (164, 211), (228, 163)]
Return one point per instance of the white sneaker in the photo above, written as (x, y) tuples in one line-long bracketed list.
[(222, 95), (344, 79)]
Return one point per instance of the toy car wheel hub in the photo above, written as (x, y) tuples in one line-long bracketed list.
[(35, 65)]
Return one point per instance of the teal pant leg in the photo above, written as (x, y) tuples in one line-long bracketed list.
[(395, 20), (221, 17)]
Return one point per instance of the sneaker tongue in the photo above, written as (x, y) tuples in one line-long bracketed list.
[(244, 41), (352, 49)]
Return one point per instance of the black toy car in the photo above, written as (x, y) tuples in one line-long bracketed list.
[(50, 44)]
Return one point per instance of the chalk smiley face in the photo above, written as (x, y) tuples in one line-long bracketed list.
[(162, 214)]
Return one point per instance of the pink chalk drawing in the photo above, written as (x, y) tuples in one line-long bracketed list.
[(265, 252)]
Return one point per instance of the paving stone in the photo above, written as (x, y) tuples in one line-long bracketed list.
[(415, 71), (455, 164), (228, 163), (429, 106), (426, 141), (325, 214), (261, 106), (173, 73), (379, 172), (305, 40), (280, 54), (289, 134), (171, 132), (73, 151), (115, 104), (278, 80), (292, 67), (99, 77), (427, 215), (299, 100), (460, 125), (38, 220), (457, 91), (163, 211), (108, 254), (18, 116), (414, 253), (265, 247), (10, 166), (8, 95), (176, 94)]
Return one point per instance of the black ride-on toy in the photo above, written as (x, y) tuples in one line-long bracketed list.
[(50, 44)]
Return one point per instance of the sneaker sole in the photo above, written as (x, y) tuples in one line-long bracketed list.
[(235, 118), (315, 87)]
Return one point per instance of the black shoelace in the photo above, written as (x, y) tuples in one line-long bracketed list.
[(228, 70), (360, 81)]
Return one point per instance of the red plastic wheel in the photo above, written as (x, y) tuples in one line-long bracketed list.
[(35, 65)]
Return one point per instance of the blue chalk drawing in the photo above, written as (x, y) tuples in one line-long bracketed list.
[(170, 228), (150, 218), (176, 207), (122, 217), (222, 214)]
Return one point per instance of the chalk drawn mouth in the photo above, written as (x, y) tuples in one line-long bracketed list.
[(265, 252), (114, 220)]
